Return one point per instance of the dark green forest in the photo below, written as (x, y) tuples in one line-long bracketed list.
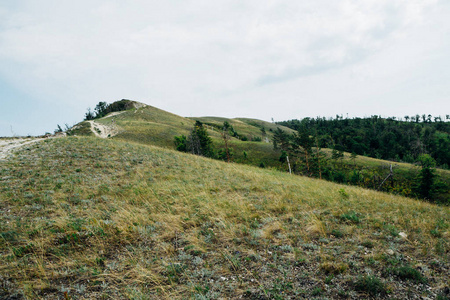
[(423, 141), (383, 138)]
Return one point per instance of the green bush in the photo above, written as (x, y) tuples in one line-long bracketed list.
[(408, 273), (370, 284)]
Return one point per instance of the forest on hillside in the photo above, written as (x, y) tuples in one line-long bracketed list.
[(383, 138), (301, 152)]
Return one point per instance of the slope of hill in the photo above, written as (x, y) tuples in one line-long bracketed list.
[(252, 145), (90, 218), (152, 126)]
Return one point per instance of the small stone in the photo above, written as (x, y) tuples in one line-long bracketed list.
[(390, 252), (403, 235)]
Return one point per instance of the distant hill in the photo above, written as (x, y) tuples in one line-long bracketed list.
[(252, 143), (152, 126)]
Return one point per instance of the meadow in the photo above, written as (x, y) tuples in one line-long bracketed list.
[(251, 143), (90, 218)]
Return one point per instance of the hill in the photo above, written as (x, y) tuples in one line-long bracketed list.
[(251, 143), (152, 126), (90, 218)]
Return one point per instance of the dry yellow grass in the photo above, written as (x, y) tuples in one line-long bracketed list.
[(114, 220)]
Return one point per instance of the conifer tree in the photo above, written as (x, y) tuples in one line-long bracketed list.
[(425, 183), (199, 141)]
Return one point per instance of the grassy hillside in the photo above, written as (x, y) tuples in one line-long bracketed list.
[(152, 126), (149, 125), (248, 128), (89, 218)]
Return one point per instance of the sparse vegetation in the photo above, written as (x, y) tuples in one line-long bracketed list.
[(83, 217), (249, 142)]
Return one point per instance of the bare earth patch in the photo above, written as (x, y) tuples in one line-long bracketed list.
[(8, 145), (113, 114), (103, 131)]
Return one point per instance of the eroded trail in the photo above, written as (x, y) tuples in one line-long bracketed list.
[(103, 131), (9, 145)]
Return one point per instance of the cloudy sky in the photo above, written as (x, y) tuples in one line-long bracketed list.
[(234, 58)]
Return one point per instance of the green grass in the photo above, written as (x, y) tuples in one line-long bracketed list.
[(81, 129), (408, 273), (246, 127), (109, 219), (152, 126)]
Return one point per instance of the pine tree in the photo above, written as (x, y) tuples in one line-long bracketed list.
[(425, 182), (89, 115), (281, 140), (199, 141), (181, 143), (101, 109)]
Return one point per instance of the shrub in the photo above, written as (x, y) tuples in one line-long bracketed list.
[(181, 143), (371, 285), (408, 273), (343, 193), (337, 233)]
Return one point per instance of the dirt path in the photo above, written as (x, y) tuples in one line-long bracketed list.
[(113, 114), (8, 145), (103, 131)]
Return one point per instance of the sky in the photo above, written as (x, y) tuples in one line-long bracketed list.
[(236, 58)]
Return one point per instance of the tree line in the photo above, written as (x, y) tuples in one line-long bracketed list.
[(302, 151), (103, 108), (383, 138)]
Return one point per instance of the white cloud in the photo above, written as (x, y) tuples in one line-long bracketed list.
[(181, 55)]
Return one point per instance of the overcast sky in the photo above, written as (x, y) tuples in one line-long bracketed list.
[(261, 59)]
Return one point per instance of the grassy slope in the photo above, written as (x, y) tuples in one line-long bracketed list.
[(246, 127), (152, 126), (110, 219)]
